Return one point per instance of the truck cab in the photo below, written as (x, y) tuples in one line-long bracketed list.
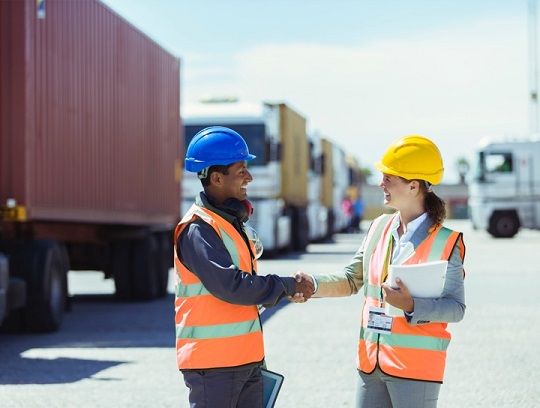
[(504, 194), (261, 125)]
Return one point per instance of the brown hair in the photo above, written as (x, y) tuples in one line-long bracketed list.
[(434, 205)]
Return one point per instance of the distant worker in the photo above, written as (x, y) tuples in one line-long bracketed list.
[(401, 359), (219, 339), (346, 207), (357, 214)]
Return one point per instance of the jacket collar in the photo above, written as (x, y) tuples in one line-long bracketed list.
[(203, 201), (421, 232)]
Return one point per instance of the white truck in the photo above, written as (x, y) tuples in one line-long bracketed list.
[(276, 134), (319, 212), (340, 174), (504, 194)]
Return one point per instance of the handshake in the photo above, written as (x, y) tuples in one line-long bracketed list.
[(305, 288)]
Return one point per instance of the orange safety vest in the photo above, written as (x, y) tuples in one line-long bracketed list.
[(409, 351), (211, 333)]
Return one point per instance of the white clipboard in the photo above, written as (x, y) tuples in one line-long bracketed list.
[(424, 280)]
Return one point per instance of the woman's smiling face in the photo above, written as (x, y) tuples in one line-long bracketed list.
[(396, 191)]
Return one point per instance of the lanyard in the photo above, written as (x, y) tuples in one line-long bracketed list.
[(389, 251), (387, 262)]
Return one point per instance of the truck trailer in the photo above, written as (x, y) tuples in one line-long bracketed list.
[(90, 156), (339, 178), (317, 212), (276, 134), (504, 194)]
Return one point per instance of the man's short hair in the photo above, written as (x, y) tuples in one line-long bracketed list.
[(220, 168)]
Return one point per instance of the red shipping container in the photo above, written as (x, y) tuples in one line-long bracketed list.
[(89, 116)]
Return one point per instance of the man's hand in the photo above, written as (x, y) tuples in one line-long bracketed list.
[(304, 287)]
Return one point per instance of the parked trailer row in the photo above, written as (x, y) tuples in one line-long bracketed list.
[(299, 182), (89, 157)]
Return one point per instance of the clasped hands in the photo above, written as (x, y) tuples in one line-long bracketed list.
[(304, 287), (400, 297)]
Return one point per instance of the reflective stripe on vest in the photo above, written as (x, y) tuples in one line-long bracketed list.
[(211, 333), (410, 351)]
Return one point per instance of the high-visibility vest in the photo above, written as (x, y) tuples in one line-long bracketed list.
[(409, 351), (211, 333)]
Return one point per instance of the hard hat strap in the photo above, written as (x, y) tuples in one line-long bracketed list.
[(203, 173)]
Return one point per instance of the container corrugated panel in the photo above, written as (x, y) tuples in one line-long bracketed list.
[(295, 148), (90, 126), (327, 195)]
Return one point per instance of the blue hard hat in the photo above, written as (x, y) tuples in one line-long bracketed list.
[(215, 145)]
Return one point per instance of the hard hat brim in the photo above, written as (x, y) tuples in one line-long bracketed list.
[(195, 166), (431, 178)]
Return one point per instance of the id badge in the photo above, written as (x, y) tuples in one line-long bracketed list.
[(378, 321)]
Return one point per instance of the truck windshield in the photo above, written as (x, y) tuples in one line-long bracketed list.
[(499, 163), (253, 134), (492, 163)]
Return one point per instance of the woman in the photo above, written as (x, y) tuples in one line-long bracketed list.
[(401, 359)]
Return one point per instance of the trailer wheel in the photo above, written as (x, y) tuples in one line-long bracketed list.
[(331, 219), (145, 280), (164, 261), (43, 265), (299, 229), (120, 265), (134, 265), (47, 287), (504, 224)]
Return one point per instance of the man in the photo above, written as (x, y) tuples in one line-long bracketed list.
[(219, 341)]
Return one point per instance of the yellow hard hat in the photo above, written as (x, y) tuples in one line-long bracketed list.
[(413, 157)]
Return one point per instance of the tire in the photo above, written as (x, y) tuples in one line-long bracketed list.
[(504, 224), (145, 268), (137, 267), (164, 261), (47, 287), (43, 265), (120, 268), (4, 282), (330, 223), (299, 229)]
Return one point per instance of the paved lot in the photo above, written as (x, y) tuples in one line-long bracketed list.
[(118, 354)]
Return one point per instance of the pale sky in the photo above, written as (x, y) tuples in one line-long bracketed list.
[(362, 72)]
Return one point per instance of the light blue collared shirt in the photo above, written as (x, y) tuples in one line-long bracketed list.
[(399, 243)]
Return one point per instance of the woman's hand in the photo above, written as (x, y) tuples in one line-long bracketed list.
[(400, 297)]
